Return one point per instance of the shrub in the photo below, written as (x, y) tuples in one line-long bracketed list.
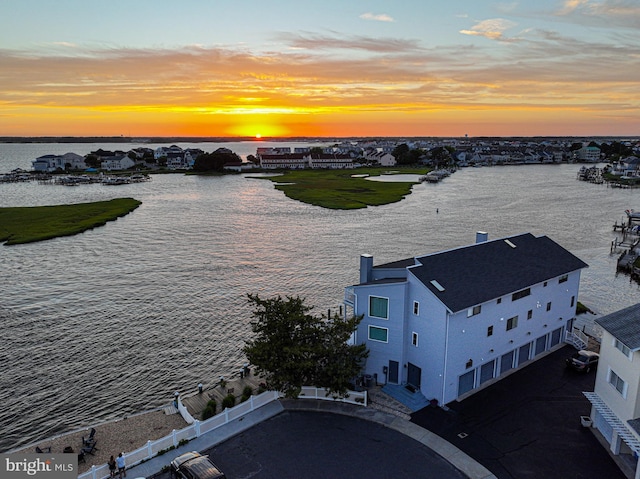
[(210, 409), (228, 401), (246, 393)]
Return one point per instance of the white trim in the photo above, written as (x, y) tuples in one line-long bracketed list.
[(414, 339), (620, 346), (610, 374), (614, 421)]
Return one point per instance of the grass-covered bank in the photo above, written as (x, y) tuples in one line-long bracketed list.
[(38, 223), (337, 189)]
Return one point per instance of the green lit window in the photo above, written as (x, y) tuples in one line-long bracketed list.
[(378, 307), (378, 334)]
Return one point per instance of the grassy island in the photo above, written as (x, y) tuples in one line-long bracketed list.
[(340, 190), (38, 223)]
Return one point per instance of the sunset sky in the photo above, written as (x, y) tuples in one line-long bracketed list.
[(333, 68)]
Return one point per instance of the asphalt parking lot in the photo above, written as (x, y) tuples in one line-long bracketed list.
[(528, 424), (297, 444), (307, 444)]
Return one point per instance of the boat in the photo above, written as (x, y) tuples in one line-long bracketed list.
[(116, 180), (632, 215)]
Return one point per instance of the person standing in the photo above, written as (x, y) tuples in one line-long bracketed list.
[(121, 466), (112, 467)]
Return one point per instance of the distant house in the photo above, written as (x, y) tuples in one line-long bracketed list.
[(381, 157), (615, 401), (122, 162), (49, 163), (293, 161), (589, 154), (330, 161), (239, 166), (629, 166), (450, 323), (166, 151)]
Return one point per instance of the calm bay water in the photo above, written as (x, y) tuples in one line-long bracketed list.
[(113, 321)]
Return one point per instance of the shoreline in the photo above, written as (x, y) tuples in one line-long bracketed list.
[(120, 435)]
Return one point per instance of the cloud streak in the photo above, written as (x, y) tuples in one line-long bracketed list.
[(380, 17), (331, 73), (493, 28)]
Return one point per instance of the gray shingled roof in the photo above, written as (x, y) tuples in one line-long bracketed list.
[(624, 325), (481, 272)]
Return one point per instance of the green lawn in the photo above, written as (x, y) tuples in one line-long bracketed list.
[(336, 189), (39, 223)]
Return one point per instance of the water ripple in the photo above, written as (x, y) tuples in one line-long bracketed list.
[(114, 320)]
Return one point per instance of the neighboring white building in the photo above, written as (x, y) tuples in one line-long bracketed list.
[(629, 167), (383, 158), (166, 151), (452, 322), (615, 400), (330, 161), (117, 163), (292, 161), (590, 154), (50, 163)]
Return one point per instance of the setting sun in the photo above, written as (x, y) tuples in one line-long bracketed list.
[(258, 136)]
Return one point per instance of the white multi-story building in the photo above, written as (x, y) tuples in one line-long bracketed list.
[(51, 163), (615, 401), (452, 322), (117, 163)]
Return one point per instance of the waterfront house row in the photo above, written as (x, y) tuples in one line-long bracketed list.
[(615, 400), (299, 161), (452, 322)]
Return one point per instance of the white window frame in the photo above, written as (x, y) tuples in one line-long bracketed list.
[(369, 306), (615, 381), (377, 340), (416, 308), (623, 348), (474, 311), (514, 323), (414, 339)]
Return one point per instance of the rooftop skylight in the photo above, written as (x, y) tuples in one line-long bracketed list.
[(437, 285)]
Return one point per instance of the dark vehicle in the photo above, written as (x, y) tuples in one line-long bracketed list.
[(583, 360), (192, 465)]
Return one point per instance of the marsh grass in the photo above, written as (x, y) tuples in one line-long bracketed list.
[(38, 223), (336, 189)]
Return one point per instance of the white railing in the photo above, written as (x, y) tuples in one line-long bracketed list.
[(188, 418), (349, 296), (576, 338), (152, 448), (353, 397), (198, 428)]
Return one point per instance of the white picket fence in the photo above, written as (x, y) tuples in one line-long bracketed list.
[(198, 428)]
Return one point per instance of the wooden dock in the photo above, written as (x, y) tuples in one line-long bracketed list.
[(196, 402)]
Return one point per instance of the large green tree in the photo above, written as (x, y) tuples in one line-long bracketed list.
[(293, 348), (216, 160)]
